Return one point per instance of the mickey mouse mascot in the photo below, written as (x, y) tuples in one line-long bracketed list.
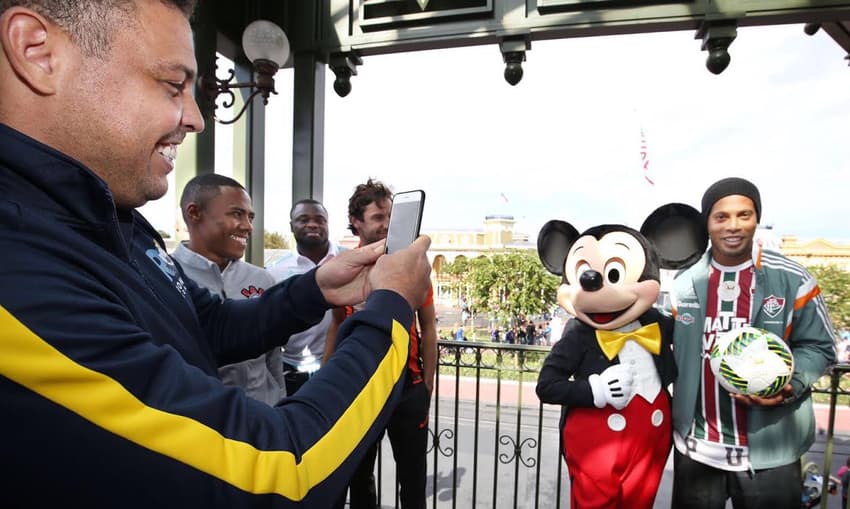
[(612, 366)]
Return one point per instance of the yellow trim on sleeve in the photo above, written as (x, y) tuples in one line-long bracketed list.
[(31, 362)]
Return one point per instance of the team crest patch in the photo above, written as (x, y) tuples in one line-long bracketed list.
[(773, 305)]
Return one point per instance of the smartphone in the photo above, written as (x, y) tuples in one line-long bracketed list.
[(405, 219)]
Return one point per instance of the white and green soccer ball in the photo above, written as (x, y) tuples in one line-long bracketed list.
[(751, 361)]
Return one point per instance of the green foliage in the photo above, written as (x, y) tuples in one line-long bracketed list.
[(505, 285), (164, 234), (834, 283), (458, 268), (274, 240)]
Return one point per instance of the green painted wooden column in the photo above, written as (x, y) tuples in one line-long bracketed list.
[(308, 128)]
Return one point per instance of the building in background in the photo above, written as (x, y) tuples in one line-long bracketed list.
[(816, 252)]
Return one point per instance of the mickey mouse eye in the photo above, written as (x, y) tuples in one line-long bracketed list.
[(614, 271), (581, 268)]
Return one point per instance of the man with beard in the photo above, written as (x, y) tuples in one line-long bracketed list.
[(108, 351), (308, 221), (369, 216), (218, 214)]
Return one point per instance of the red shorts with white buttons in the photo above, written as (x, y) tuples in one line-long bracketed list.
[(616, 457)]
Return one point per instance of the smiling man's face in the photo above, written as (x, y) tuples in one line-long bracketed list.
[(309, 224), (376, 220), (222, 227), (732, 225), (127, 111)]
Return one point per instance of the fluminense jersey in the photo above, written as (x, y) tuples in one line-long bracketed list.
[(718, 436), (785, 301)]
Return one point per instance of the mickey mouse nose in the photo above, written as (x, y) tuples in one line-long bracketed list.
[(590, 280)]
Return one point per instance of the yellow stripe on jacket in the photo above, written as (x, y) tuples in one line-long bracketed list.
[(30, 361)]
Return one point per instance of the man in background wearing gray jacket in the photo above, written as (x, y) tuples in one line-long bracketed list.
[(219, 215)]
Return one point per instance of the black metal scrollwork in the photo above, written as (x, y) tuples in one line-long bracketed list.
[(505, 458), (437, 439)]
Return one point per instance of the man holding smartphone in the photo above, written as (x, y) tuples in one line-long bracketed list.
[(108, 351), (369, 210)]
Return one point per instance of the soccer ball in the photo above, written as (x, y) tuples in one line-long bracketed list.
[(751, 361)]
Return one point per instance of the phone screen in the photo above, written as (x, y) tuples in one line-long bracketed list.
[(405, 219)]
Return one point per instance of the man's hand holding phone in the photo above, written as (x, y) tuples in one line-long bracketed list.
[(350, 277), (405, 219), (406, 272), (344, 279)]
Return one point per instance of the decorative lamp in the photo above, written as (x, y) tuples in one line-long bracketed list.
[(267, 47)]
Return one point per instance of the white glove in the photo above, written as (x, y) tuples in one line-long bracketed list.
[(614, 386)]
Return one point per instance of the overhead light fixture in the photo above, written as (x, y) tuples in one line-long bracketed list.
[(267, 47), (717, 35), (513, 53)]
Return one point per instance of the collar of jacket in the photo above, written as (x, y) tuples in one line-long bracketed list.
[(44, 181)]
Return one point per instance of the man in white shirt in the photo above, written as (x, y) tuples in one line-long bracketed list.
[(302, 354), (218, 214)]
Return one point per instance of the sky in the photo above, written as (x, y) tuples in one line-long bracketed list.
[(566, 141)]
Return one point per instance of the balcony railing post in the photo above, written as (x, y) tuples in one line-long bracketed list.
[(830, 431)]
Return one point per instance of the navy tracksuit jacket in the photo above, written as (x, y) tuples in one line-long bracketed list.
[(108, 357)]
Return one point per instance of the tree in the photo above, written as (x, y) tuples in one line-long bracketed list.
[(274, 240), (834, 284), (505, 285)]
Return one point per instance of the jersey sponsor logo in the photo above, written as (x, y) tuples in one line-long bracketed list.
[(725, 322), (162, 260), (251, 292), (719, 325), (773, 305), (685, 318), (689, 305), (734, 456)]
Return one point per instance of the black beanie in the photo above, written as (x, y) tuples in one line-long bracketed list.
[(728, 187)]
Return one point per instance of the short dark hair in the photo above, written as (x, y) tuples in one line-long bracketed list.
[(203, 188), (306, 201), (364, 194), (91, 24)]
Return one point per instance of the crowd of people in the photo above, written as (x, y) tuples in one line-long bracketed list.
[(525, 332), (135, 377)]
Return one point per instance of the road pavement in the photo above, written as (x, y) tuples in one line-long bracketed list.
[(494, 464)]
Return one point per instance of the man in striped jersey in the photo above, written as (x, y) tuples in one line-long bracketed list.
[(745, 448)]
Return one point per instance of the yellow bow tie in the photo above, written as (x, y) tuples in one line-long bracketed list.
[(648, 336)]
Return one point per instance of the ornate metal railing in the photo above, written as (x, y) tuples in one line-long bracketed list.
[(836, 386), (493, 444), (487, 432)]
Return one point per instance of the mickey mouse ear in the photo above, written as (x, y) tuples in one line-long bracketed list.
[(553, 243), (679, 234)]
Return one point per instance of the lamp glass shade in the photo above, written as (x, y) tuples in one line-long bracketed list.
[(265, 40)]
